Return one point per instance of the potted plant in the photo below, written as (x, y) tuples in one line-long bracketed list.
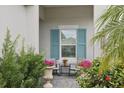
[(85, 63), (48, 72), (65, 61)]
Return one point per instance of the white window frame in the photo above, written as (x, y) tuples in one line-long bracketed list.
[(60, 45)]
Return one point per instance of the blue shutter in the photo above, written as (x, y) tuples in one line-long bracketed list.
[(54, 40), (81, 43)]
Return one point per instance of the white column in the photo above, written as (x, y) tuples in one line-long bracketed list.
[(32, 14)]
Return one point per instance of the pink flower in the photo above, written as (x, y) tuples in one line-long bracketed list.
[(49, 62), (86, 63)]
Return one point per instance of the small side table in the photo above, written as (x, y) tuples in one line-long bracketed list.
[(64, 69)]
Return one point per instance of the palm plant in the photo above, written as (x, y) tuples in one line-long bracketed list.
[(110, 27)]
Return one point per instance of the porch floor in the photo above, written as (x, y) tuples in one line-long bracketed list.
[(65, 81)]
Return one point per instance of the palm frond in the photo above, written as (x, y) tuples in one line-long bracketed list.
[(110, 27)]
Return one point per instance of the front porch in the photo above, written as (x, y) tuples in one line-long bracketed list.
[(64, 34)]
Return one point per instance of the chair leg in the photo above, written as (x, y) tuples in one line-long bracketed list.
[(56, 71), (69, 72)]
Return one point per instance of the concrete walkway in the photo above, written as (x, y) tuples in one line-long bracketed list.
[(64, 81)]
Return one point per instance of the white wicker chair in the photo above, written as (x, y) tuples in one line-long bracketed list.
[(74, 67), (56, 69)]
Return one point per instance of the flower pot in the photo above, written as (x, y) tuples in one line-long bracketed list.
[(48, 76), (65, 62)]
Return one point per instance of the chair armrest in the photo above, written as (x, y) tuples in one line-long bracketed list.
[(72, 66)]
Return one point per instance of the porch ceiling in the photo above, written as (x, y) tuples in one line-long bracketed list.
[(49, 6), (45, 10)]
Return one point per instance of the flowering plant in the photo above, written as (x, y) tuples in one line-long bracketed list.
[(86, 63), (49, 62), (107, 78), (93, 77)]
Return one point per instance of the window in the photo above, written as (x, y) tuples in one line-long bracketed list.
[(68, 43)]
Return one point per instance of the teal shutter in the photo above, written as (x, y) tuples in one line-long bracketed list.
[(81, 43), (54, 40)]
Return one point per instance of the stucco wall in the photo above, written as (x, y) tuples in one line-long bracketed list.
[(32, 14), (82, 16), (24, 20), (98, 11), (21, 20)]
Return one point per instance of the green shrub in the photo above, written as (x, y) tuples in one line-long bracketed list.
[(24, 69), (32, 68), (93, 77), (9, 69)]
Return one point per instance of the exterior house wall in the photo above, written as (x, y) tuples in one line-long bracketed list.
[(81, 16), (24, 20), (98, 11), (21, 20), (32, 15)]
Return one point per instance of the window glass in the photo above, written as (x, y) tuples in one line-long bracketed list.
[(68, 37), (69, 51)]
